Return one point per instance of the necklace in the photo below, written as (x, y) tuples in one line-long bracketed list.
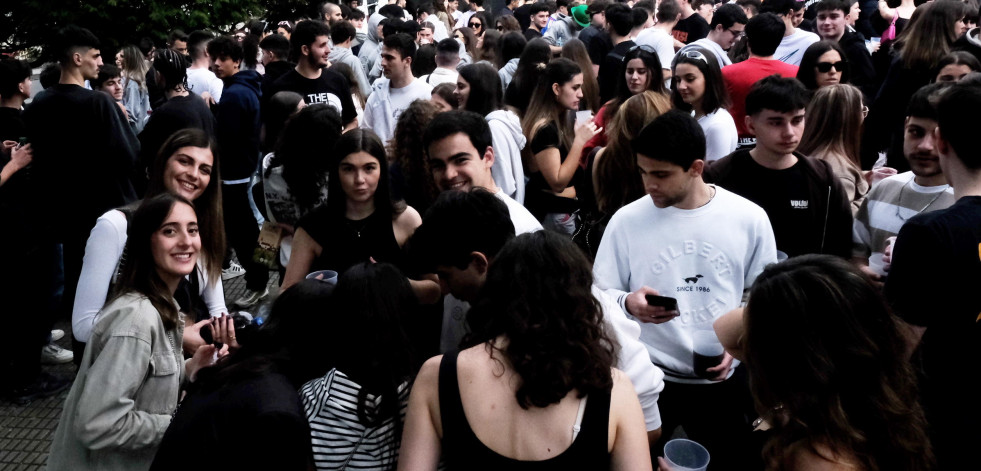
[(899, 201), (358, 226)]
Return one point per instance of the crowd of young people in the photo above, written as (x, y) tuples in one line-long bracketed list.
[(550, 201)]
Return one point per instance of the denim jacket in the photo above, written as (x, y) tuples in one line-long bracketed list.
[(126, 390)]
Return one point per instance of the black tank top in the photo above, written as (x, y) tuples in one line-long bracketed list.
[(463, 450), (346, 243)]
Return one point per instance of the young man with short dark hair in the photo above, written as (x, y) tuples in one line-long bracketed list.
[(342, 34), (727, 26), (619, 23), (659, 37), (85, 153), (795, 40), (200, 78), (447, 58), (805, 201), (764, 33), (701, 246), (896, 199), (394, 93), (237, 123), (426, 14), (177, 42), (275, 50), (691, 27), (538, 13), (933, 283), (832, 25), (308, 46)]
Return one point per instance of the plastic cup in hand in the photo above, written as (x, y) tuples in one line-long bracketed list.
[(877, 265), (327, 276), (583, 117), (707, 352), (781, 256), (686, 455)]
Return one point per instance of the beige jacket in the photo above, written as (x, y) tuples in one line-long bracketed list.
[(126, 390)]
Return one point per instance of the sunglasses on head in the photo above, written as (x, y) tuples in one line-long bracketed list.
[(825, 67)]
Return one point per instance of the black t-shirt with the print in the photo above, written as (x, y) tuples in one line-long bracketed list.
[(331, 88)]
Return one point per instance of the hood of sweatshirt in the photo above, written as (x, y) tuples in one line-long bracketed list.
[(974, 37), (511, 67), (337, 54), (511, 122), (248, 78), (373, 21)]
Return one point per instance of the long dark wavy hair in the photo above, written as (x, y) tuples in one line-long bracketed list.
[(824, 351), (534, 58), (409, 152), (716, 95), (138, 270), (545, 108), (538, 297), (352, 142), (208, 206), (303, 152)]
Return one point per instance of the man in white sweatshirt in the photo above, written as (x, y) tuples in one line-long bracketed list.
[(460, 236), (795, 40), (700, 246), (394, 93)]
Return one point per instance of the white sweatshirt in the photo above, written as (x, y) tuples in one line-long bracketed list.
[(705, 257), (385, 104), (508, 140)]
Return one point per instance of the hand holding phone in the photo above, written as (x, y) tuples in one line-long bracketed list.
[(647, 305)]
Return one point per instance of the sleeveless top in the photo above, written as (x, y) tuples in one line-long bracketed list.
[(539, 198), (463, 450), (346, 243)]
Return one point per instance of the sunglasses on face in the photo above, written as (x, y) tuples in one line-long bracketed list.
[(474, 25), (825, 67)]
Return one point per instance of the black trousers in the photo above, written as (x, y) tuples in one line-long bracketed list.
[(26, 288), (242, 233), (717, 415)]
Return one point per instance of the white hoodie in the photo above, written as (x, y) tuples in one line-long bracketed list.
[(344, 55), (369, 49), (508, 140)]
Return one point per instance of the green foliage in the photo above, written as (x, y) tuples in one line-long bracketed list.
[(26, 24)]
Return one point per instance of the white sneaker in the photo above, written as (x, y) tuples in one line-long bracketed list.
[(52, 354), (233, 271), (57, 334), (251, 298)]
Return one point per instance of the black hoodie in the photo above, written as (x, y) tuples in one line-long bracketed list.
[(237, 125)]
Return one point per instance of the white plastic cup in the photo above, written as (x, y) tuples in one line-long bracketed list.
[(877, 265), (327, 276), (583, 117), (686, 455)]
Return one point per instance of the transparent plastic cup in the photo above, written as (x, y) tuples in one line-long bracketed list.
[(583, 117), (327, 276), (686, 455), (877, 265)]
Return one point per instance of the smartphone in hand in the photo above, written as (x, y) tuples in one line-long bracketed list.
[(668, 303)]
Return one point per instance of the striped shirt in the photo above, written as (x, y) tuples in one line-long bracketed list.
[(888, 206), (340, 440)]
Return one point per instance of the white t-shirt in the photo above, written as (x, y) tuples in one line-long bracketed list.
[(521, 218), (704, 257), (385, 104), (791, 48), (204, 80), (661, 42), (721, 136)]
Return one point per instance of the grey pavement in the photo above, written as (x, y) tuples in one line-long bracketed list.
[(26, 431)]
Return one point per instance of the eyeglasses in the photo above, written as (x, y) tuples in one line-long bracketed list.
[(825, 67), (474, 25), (737, 34), (865, 111), (500, 28)]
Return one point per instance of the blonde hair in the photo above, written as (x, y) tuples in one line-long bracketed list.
[(833, 126), (617, 182), (135, 66)]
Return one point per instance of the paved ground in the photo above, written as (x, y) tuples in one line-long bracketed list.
[(26, 431)]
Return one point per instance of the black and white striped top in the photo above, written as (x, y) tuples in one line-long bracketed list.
[(340, 440)]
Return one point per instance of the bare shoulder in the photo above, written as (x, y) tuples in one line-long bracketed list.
[(409, 219), (821, 458)]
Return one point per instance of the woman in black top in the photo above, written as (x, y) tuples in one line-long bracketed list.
[(555, 147), (360, 221), (541, 361)]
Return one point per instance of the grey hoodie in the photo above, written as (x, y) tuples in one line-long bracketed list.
[(343, 54), (508, 140), (507, 73), (368, 53)]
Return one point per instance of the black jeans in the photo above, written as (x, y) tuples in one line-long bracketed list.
[(242, 233), (718, 416)]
